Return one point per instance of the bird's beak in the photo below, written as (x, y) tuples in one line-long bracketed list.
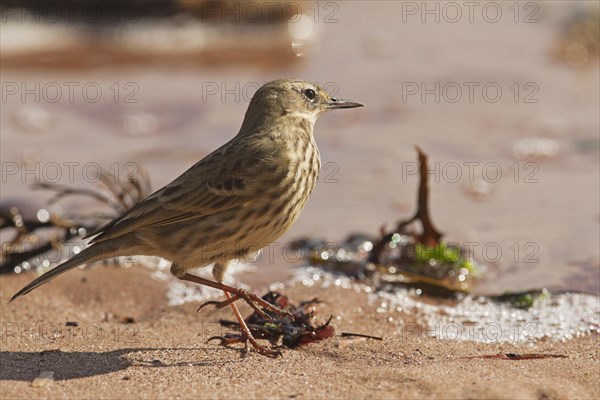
[(334, 103)]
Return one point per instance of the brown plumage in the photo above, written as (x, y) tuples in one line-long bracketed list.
[(233, 202)]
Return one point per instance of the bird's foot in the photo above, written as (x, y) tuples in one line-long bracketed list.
[(253, 301), (234, 294), (243, 338)]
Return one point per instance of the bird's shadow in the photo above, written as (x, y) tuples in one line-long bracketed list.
[(25, 366)]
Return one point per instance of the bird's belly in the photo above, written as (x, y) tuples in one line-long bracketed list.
[(249, 233), (249, 229), (273, 221)]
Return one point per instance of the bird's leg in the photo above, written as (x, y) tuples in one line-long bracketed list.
[(246, 334), (237, 295), (253, 300)]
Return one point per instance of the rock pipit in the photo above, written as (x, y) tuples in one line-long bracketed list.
[(235, 201)]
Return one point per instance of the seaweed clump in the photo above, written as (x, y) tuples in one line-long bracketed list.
[(300, 331)]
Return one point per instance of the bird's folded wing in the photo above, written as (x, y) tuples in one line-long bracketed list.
[(195, 194)]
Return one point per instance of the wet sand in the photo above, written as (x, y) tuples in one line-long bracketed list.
[(164, 353)]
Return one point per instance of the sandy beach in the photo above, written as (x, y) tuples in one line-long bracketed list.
[(164, 354)]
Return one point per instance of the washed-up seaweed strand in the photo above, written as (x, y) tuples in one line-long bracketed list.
[(430, 236), (119, 196)]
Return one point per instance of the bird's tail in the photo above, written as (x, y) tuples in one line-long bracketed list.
[(96, 252)]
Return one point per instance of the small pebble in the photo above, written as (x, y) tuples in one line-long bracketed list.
[(45, 378)]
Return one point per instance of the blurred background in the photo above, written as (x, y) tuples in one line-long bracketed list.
[(502, 96)]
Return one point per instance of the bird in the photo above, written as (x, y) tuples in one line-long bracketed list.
[(233, 202)]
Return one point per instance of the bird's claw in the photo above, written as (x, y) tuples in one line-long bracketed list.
[(222, 304), (227, 341), (253, 301), (217, 305)]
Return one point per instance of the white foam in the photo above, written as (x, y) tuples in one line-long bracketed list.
[(475, 318)]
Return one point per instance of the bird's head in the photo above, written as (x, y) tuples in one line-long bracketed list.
[(292, 98)]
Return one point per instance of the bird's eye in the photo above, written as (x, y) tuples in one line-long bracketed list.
[(310, 94)]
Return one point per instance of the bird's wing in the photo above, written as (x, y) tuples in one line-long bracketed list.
[(213, 185)]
